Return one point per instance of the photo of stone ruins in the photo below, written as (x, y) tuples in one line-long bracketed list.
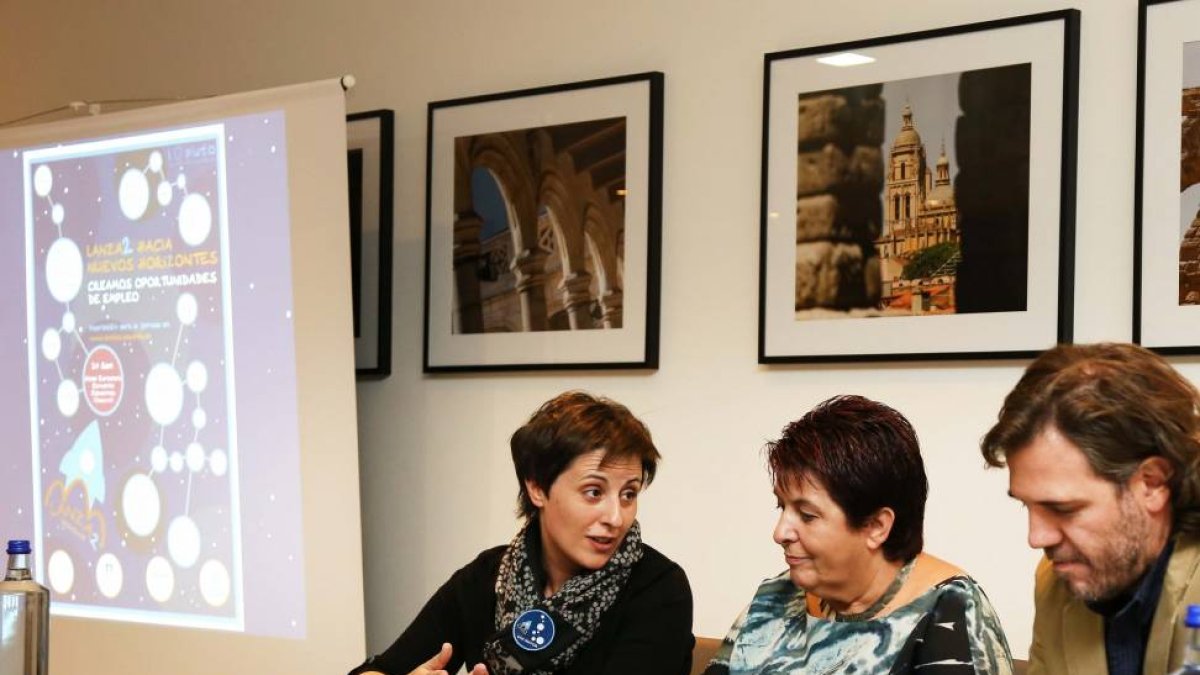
[(1189, 180), (886, 228), (539, 228)]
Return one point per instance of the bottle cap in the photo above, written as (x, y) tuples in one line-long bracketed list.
[(1193, 617), (21, 546)]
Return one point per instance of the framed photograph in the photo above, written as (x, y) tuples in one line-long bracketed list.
[(369, 157), (918, 194), (1166, 297), (543, 219)]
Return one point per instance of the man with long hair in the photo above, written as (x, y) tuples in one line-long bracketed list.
[(1101, 443)]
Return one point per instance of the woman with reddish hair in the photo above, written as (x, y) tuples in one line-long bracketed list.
[(859, 595)]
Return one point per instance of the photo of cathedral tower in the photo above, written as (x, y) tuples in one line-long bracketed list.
[(913, 196), (920, 225)]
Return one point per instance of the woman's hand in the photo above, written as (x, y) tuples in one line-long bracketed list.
[(437, 664)]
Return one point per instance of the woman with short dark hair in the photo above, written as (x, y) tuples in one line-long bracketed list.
[(859, 595), (576, 592)]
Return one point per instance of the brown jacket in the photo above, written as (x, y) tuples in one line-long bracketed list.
[(1068, 638)]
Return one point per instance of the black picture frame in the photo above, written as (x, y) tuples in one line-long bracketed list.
[(984, 273), (543, 228), (370, 143), (1166, 256)]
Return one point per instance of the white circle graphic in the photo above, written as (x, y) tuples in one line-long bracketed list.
[(43, 180), (68, 322), (109, 575), (183, 541), (199, 418), (160, 578), (195, 219), (57, 214), (214, 583), (218, 462), (64, 269), (186, 308), (67, 398), (140, 504), (164, 193), (164, 394), (156, 161), (61, 571), (195, 457), (51, 344), (197, 376), (133, 193), (158, 458)]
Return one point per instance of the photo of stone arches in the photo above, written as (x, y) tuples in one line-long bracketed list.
[(539, 228), (543, 224), (934, 218)]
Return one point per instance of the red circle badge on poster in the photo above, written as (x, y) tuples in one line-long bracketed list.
[(103, 380)]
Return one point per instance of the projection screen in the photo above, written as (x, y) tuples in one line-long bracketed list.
[(182, 449)]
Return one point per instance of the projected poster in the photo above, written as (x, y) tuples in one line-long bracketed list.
[(144, 507)]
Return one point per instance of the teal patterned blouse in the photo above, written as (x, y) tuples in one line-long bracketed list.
[(951, 626)]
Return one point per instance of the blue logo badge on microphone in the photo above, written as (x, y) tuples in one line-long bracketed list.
[(533, 631)]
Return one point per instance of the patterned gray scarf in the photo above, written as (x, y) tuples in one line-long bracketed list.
[(537, 635)]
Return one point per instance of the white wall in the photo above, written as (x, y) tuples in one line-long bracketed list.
[(437, 485)]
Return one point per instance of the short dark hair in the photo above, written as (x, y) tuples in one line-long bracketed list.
[(572, 424), (866, 456), (1120, 404)]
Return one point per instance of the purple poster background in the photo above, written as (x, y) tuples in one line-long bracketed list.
[(138, 318), (138, 480)]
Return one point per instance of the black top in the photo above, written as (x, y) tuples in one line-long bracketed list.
[(647, 631)]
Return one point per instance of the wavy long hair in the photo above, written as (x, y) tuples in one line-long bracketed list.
[(1120, 404)]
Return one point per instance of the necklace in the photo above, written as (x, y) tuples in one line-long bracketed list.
[(870, 612)]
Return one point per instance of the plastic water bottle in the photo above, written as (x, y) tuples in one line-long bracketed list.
[(24, 616), (1191, 657)]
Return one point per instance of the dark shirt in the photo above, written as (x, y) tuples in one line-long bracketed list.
[(646, 631), (1127, 618)]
